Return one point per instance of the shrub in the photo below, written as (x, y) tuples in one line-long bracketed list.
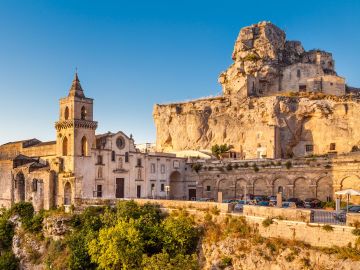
[(225, 262), (246, 165), (196, 167), (8, 261), (251, 57), (267, 222), (25, 210), (163, 260), (229, 167), (356, 231), (6, 234), (288, 164), (328, 228)]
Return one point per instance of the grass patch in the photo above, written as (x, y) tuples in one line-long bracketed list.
[(267, 222)]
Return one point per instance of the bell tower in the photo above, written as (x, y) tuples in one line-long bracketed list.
[(75, 130)]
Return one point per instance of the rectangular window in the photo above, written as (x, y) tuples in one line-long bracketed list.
[(153, 169), (138, 163), (176, 164), (332, 146), (309, 148), (99, 191), (208, 188), (162, 168), (152, 186), (112, 155), (302, 88), (162, 187), (99, 159), (127, 157)]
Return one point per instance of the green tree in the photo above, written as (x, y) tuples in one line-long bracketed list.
[(119, 247), (180, 236), (218, 150)]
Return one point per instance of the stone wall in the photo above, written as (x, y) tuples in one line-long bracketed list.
[(274, 212), (5, 183), (353, 219)]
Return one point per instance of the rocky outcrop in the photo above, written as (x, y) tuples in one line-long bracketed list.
[(278, 101), (280, 125)]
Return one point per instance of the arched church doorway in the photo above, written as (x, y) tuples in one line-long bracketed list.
[(67, 194)]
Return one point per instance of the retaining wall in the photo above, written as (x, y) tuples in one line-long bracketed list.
[(274, 212)]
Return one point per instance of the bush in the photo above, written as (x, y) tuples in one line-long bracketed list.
[(6, 234), (163, 261), (267, 222), (356, 232), (328, 228), (229, 167), (225, 262), (251, 57), (25, 210), (288, 164), (256, 168), (8, 261)]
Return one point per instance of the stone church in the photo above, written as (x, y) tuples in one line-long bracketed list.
[(81, 166)]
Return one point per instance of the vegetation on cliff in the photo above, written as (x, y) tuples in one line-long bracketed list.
[(128, 236)]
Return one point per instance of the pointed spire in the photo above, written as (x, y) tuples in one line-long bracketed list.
[(76, 89)]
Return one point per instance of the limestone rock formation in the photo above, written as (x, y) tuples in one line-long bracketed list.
[(278, 101)]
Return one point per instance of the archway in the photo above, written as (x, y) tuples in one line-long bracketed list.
[(281, 184), (240, 188), (260, 187), (67, 194), (65, 146), (324, 189), (227, 188), (175, 185), (302, 188), (84, 147), (83, 113), (20, 187), (66, 113), (353, 182)]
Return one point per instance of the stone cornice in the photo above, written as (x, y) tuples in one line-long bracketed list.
[(75, 123)]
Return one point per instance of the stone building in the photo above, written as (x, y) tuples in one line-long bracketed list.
[(278, 101), (82, 166), (303, 178)]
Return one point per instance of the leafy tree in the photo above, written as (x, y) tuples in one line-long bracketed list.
[(119, 247), (79, 256), (127, 210), (218, 150), (179, 235), (26, 212)]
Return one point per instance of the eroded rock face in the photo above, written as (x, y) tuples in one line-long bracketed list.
[(274, 126)]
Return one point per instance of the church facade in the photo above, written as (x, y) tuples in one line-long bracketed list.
[(81, 165)]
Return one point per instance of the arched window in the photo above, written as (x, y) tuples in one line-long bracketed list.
[(66, 113), (83, 113), (112, 155), (84, 146), (280, 189), (100, 173), (65, 146)]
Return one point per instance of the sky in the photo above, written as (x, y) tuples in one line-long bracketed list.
[(131, 55)]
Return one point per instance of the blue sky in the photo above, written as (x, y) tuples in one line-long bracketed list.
[(131, 55)]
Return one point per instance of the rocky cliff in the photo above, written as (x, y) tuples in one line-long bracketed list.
[(266, 122)]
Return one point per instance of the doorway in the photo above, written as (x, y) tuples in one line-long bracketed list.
[(120, 184), (138, 191), (192, 194)]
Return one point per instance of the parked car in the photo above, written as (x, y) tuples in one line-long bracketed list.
[(263, 203), (205, 200), (273, 200), (289, 205), (239, 207), (312, 203), (259, 198), (299, 203), (341, 215)]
